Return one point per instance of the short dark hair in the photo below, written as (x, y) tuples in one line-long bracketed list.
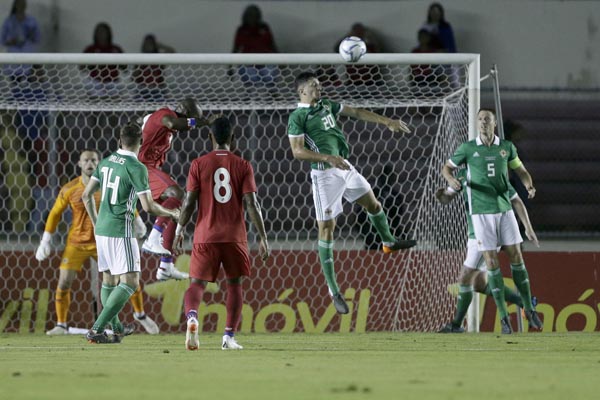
[(189, 107), (131, 134), (488, 110), (304, 77), (221, 130)]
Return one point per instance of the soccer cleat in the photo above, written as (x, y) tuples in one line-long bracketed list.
[(506, 327), (168, 271), (229, 343), (97, 338), (147, 323), (451, 328), (154, 245), (398, 245), (128, 329), (534, 302), (340, 304), (534, 319), (191, 334), (58, 330)]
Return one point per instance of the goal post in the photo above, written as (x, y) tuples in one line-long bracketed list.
[(54, 105)]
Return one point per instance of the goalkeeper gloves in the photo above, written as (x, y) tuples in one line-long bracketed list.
[(43, 250)]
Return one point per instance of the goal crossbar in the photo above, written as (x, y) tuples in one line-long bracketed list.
[(233, 59)]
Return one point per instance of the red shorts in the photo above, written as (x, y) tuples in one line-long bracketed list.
[(159, 182), (208, 257)]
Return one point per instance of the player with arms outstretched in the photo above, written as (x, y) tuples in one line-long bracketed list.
[(488, 159), (122, 180), (81, 245), (315, 136), (472, 275), (220, 183), (158, 129)]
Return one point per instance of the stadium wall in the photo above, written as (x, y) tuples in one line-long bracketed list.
[(536, 44)]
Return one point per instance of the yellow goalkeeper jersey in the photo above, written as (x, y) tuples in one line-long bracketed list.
[(81, 231)]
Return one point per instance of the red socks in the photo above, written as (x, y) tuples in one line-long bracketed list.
[(192, 298), (234, 306), (167, 225)]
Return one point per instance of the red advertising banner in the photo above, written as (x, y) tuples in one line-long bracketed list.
[(567, 286), (289, 294)]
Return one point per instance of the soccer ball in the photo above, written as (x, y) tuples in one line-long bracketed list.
[(352, 48)]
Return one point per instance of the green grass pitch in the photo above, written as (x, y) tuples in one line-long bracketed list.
[(304, 366)]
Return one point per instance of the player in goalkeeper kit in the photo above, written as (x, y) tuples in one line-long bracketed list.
[(158, 129), (122, 180), (315, 136), (81, 245), (472, 275), (488, 159)]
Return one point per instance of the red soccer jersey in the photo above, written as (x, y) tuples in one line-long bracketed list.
[(156, 138), (222, 179)]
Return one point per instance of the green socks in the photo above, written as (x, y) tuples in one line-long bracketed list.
[(326, 257), (104, 295), (510, 295), (380, 223), (465, 295), (496, 283), (521, 279), (113, 300)]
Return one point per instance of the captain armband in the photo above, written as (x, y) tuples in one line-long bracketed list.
[(515, 163)]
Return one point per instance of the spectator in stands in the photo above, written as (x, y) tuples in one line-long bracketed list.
[(426, 43), (443, 35), (364, 74), (149, 78), (20, 34), (423, 74), (254, 36), (103, 77)]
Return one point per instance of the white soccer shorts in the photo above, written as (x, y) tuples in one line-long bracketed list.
[(330, 185), (474, 259), (495, 230), (118, 255)]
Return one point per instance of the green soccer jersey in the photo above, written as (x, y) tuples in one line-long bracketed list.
[(462, 176), (318, 125), (122, 178), (487, 174)]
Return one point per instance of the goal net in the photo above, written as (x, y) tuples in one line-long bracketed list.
[(55, 105)]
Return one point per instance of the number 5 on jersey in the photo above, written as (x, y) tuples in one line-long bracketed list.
[(222, 179), (491, 169)]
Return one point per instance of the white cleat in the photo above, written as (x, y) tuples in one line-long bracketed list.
[(191, 335), (154, 245), (168, 271), (229, 343), (147, 323), (58, 330)]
